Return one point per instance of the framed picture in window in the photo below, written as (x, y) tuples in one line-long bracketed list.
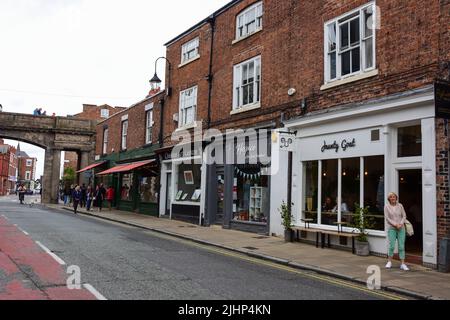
[(196, 195), (179, 195), (189, 177)]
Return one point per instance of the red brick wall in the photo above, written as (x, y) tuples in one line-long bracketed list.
[(23, 168), (136, 127)]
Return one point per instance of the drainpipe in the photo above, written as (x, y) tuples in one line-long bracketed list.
[(161, 144), (212, 23)]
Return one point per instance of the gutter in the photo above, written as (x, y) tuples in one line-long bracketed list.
[(212, 22)]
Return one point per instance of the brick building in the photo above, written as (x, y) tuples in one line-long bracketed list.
[(90, 112), (26, 168), (8, 168), (126, 158), (333, 73)]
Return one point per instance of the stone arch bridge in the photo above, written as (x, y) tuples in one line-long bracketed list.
[(53, 134)]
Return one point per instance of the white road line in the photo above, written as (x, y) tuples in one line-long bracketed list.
[(5, 217), (92, 290), (54, 256), (26, 233)]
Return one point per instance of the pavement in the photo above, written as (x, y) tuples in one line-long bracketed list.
[(420, 282), (125, 262)]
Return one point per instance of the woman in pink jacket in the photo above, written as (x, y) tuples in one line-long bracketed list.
[(396, 218)]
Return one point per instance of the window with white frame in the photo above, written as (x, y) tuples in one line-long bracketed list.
[(148, 126), (105, 140), (29, 162), (104, 113), (249, 21), (188, 106), (124, 134), (28, 175), (247, 83), (190, 50), (350, 44)]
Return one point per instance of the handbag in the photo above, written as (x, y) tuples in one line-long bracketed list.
[(409, 228)]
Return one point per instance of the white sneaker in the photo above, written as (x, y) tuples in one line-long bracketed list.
[(404, 267), (389, 265)]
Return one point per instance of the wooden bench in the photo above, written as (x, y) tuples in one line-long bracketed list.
[(325, 233)]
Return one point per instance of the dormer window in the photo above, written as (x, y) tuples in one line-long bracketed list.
[(249, 21)]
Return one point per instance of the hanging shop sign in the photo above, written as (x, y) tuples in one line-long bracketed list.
[(442, 99), (286, 140), (344, 145)]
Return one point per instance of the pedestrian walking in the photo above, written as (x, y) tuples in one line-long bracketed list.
[(76, 196), (72, 188), (110, 197), (89, 196), (66, 195), (395, 215), (99, 197), (22, 192), (83, 195)]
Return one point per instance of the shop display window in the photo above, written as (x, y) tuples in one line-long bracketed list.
[(148, 189), (311, 190), (409, 141), (188, 183), (329, 192), (126, 191)]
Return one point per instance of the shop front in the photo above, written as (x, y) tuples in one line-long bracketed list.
[(238, 193), (350, 158)]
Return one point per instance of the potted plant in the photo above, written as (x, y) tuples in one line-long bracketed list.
[(361, 222), (286, 221)]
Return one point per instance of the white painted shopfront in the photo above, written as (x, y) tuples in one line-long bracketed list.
[(358, 154)]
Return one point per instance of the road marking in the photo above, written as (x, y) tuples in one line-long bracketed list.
[(54, 256), (322, 278), (92, 290), (5, 217), (26, 233)]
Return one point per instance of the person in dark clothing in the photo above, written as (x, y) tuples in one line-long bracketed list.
[(22, 192), (100, 194), (76, 196), (83, 196)]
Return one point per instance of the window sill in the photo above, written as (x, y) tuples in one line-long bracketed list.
[(350, 79), (246, 108), (247, 36), (186, 203), (189, 61), (187, 127)]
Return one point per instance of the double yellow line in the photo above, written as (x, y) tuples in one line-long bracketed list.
[(327, 279)]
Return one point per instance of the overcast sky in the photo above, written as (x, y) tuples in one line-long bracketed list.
[(59, 54)]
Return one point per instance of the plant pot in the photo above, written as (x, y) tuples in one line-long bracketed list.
[(289, 235), (362, 248)]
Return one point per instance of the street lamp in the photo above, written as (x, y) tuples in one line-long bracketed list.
[(155, 82)]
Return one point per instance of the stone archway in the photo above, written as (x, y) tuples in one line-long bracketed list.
[(53, 134)]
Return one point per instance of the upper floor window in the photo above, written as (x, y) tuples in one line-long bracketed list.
[(190, 50), (350, 44), (124, 134), (28, 175), (148, 123), (247, 83), (249, 20), (104, 113), (188, 106), (29, 162), (105, 140)]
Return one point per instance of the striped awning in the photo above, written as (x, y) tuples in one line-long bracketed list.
[(92, 166), (127, 167)]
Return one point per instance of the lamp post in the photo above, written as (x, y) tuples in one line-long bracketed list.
[(155, 82)]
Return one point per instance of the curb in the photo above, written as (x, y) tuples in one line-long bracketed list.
[(296, 265)]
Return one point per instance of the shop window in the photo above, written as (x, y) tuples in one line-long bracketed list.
[(250, 194), (311, 190), (409, 141), (351, 181), (148, 189), (374, 196), (188, 183), (329, 192), (126, 191)]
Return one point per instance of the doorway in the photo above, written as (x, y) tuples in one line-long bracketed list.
[(168, 193), (410, 193), (220, 195)]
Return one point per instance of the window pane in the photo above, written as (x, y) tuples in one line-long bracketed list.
[(310, 189), (332, 37), (329, 191), (369, 52), (374, 196), (350, 187), (345, 63), (344, 36), (354, 32), (126, 192), (410, 141), (148, 189), (332, 57), (368, 22), (356, 63), (188, 182)]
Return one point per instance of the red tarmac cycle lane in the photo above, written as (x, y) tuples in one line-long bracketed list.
[(27, 272)]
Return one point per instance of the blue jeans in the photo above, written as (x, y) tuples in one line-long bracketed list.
[(66, 199)]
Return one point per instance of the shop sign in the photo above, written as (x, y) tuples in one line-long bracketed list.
[(287, 142), (344, 145), (442, 100)]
